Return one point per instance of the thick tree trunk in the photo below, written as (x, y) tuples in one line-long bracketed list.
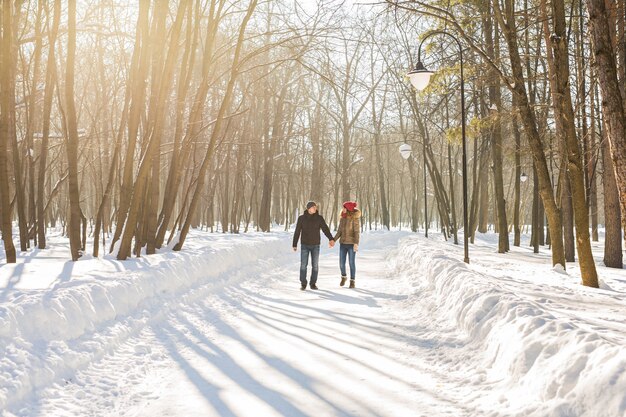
[(612, 100), (613, 256), (5, 129), (564, 111), (20, 195)]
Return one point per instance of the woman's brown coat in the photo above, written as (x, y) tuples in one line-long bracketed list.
[(349, 227)]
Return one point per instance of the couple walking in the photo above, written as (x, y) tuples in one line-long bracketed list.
[(309, 225)]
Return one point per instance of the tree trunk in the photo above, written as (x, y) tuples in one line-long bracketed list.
[(451, 173), (137, 81), (5, 128), (317, 179), (530, 125), (17, 163), (612, 101), (496, 138), (159, 100), (182, 147), (217, 129), (33, 119), (483, 202), (613, 257), (145, 227), (381, 181), (51, 78), (273, 141), (567, 210), (588, 138), (517, 230), (412, 168), (564, 188), (72, 135)]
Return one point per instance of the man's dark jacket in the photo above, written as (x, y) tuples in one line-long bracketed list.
[(309, 225)]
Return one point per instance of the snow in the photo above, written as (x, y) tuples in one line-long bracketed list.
[(540, 343), (222, 329)]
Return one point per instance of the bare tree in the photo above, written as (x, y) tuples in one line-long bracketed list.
[(217, 127), (6, 89), (605, 55), (72, 135)]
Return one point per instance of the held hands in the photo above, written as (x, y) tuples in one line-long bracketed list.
[(331, 243), (356, 247)]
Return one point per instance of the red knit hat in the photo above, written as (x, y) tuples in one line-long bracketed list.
[(349, 205)]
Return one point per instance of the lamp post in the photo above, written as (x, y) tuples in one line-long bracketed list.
[(420, 77), (405, 151)]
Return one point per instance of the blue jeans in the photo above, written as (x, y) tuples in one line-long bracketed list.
[(305, 250), (347, 249)]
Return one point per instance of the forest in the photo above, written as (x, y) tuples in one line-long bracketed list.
[(123, 125)]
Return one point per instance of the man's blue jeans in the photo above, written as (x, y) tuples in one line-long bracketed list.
[(347, 250), (305, 250)]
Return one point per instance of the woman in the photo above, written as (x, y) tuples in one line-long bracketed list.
[(349, 234)]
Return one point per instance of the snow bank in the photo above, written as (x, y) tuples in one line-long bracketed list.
[(543, 350), (47, 333)]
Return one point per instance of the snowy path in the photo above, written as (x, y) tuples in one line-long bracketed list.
[(264, 348), (222, 329)]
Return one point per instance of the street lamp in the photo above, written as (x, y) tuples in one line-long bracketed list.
[(523, 177), (405, 151), (420, 77)]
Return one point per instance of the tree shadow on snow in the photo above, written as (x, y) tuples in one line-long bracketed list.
[(223, 361), (169, 338), (368, 301)]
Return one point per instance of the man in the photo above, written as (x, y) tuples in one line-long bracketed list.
[(309, 224)]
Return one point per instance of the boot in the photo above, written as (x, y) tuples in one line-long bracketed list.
[(343, 281), (352, 284), (302, 287)]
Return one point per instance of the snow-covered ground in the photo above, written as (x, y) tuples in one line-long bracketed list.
[(222, 329)]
